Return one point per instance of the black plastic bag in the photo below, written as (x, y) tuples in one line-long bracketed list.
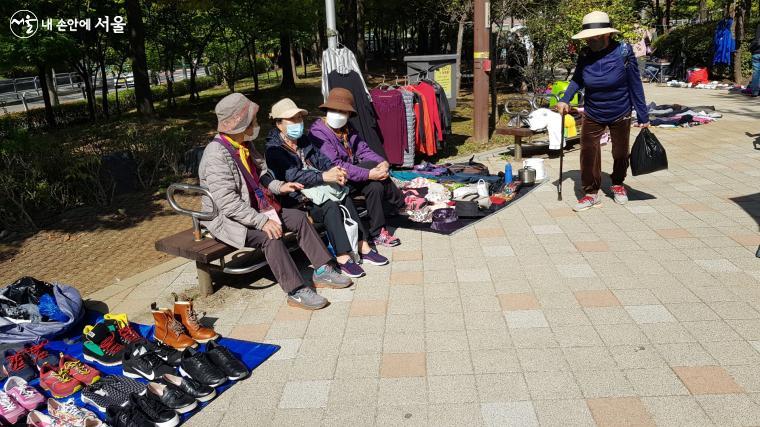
[(647, 154)]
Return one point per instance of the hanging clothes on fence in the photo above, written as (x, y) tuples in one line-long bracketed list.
[(411, 124), (443, 108), (724, 42), (342, 60), (391, 120), (365, 119), (426, 143)]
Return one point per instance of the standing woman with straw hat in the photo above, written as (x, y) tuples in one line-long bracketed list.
[(607, 70)]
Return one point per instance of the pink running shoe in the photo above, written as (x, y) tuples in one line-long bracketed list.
[(24, 394), (10, 411), (386, 239)]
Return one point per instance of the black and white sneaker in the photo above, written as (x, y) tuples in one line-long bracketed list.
[(127, 416), (101, 396), (154, 410), (223, 358), (201, 392), (125, 385), (144, 365), (198, 367), (172, 397), (168, 354)]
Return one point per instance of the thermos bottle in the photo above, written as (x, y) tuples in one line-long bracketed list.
[(508, 173)]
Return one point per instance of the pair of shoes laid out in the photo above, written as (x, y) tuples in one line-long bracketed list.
[(141, 411), (180, 328), (17, 399), (111, 390), (107, 341), (214, 366), (68, 377), (25, 362), (63, 414)]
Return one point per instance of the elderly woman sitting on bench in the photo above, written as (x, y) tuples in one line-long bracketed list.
[(249, 215)]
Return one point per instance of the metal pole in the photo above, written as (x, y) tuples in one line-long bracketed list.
[(482, 30), (332, 32)]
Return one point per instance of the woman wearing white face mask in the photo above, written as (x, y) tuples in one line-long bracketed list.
[(291, 157), (367, 171), (249, 215)]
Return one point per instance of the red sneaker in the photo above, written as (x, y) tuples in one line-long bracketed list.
[(386, 239), (59, 384), (85, 374)]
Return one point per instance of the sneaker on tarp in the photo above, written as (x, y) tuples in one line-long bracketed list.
[(101, 345)]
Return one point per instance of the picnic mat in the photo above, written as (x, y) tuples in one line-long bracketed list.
[(404, 222), (251, 353)]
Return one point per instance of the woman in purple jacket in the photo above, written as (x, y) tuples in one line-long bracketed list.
[(608, 71), (367, 171)]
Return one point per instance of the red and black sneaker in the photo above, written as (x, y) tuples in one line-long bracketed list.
[(101, 345), (39, 356), (17, 364)]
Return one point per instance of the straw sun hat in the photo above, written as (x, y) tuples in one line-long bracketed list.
[(595, 24)]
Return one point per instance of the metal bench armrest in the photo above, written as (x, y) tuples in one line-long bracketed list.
[(197, 216)]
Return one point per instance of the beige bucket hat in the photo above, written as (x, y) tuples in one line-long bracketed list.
[(595, 23), (285, 109)]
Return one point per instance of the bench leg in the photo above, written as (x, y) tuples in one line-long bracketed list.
[(518, 148), (205, 285)]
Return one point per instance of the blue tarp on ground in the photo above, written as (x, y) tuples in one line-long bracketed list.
[(251, 353)]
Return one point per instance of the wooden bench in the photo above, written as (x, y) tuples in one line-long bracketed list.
[(198, 245), (520, 133)]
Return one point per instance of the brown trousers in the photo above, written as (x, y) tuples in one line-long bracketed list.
[(591, 152), (276, 252)]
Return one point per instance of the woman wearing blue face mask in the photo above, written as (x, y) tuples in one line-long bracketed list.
[(290, 154)]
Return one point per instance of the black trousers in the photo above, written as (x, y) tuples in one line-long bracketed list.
[(276, 252), (381, 196), (331, 215)]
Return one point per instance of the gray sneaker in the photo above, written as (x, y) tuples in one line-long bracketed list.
[(330, 278), (620, 194), (305, 297), (588, 201)]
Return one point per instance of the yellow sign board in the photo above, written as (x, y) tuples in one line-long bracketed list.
[(481, 55), (443, 77)]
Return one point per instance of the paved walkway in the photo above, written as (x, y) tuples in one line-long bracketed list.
[(637, 315)]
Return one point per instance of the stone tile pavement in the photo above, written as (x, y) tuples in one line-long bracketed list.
[(644, 314)]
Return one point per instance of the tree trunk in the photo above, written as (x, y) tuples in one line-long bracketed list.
[(104, 86), (349, 33), (252, 59), (460, 39), (667, 15), (658, 16), (293, 61), (738, 30), (42, 72), (51, 87), (303, 62), (702, 10), (143, 95), (285, 61), (194, 95), (361, 45)]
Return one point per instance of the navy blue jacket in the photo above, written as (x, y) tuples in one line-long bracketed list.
[(287, 165), (613, 88)]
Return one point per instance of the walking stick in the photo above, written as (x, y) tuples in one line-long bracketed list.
[(561, 158)]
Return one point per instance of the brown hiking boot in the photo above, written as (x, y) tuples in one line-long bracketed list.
[(185, 314), (168, 330)]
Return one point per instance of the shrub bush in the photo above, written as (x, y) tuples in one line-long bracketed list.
[(76, 112)]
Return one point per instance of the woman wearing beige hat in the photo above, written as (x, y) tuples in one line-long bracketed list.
[(292, 157), (607, 70), (249, 215)]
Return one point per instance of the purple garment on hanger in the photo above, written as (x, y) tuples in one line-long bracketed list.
[(391, 119)]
